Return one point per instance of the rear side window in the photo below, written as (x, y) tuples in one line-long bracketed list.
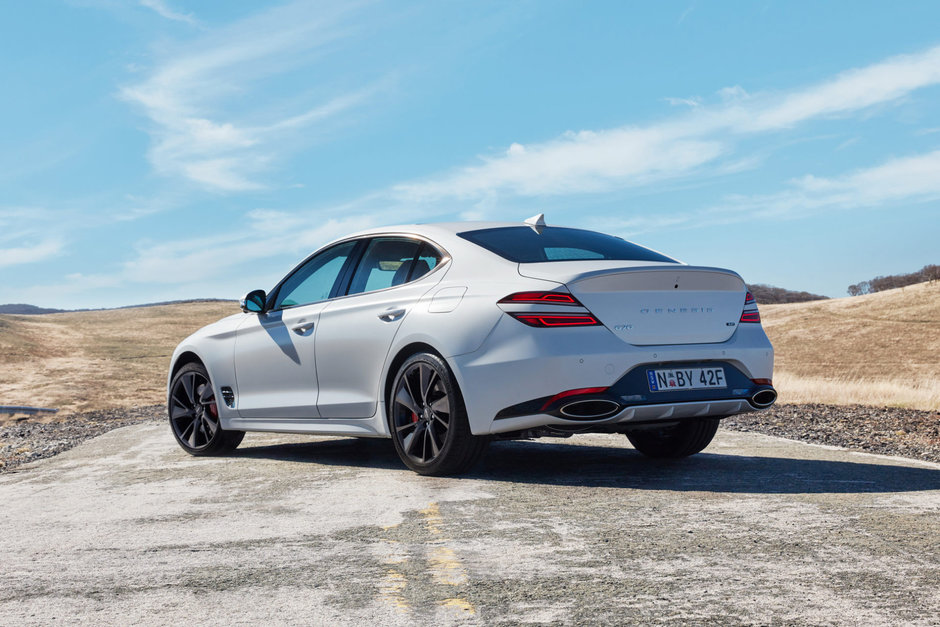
[(427, 260), (521, 244), (391, 261)]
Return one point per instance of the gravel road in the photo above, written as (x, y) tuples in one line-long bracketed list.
[(127, 529)]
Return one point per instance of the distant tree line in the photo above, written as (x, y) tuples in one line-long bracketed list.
[(770, 295), (890, 282)]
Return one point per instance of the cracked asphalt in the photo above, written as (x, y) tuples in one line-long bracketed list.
[(128, 529)]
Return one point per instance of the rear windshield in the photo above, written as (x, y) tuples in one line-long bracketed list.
[(522, 244)]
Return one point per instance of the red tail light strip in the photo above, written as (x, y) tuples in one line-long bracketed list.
[(750, 313), (567, 393), (542, 298), (555, 320)]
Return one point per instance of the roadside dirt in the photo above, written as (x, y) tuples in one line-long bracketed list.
[(891, 431), (887, 430)]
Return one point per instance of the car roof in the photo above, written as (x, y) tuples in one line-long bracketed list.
[(437, 228)]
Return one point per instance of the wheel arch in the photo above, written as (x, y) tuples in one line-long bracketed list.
[(401, 356), (183, 359)]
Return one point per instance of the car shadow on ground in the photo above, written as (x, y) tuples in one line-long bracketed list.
[(564, 464)]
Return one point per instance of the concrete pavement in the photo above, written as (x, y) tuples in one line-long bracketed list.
[(127, 529)]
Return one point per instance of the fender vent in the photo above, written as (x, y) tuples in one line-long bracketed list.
[(229, 397)]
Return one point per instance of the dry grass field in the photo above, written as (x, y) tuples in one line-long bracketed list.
[(881, 349), (91, 360)]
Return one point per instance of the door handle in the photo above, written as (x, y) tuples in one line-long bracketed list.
[(391, 315), (302, 328)]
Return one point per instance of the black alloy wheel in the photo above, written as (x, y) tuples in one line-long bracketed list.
[(194, 414), (428, 420)]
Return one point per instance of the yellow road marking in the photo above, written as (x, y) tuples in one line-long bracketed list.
[(432, 518), (392, 588), (459, 604), (445, 566), (394, 582)]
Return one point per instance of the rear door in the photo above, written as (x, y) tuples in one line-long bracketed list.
[(356, 332)]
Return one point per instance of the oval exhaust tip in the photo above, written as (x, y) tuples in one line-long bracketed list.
[(590, 409), (764, 398)]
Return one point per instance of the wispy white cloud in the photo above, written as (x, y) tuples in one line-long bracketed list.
[(575, 163), (268, 235), (911, 179), (850, 91), (595, 161), (41, 250), (198, 131), (164, 10), (688, 102)]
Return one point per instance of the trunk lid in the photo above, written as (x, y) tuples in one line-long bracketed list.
[(653, 305)]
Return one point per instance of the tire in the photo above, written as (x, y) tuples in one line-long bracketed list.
[(428, 419), (686, 438), (194, 414)]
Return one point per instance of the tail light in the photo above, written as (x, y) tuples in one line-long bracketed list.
[(542, 298), (555, 320), (750, 313), (545, 319)]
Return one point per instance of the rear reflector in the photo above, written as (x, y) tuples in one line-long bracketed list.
[(542, 298), (555, 320), (762, 381), (750, 316), (577, 392)]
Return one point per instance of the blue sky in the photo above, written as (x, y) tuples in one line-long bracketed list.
[(163, 149)]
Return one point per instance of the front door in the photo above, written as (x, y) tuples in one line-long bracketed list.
[(275, 351)]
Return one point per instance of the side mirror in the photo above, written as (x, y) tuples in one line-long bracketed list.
[(254, 301)]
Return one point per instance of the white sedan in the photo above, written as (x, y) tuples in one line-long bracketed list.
[(445, 336)]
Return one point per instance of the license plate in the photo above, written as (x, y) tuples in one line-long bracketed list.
[(686, 379)]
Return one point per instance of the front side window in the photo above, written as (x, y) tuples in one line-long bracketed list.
[(314, 281), (522, 244)]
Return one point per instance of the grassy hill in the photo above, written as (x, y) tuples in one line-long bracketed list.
[(87, 360), (878, 349)]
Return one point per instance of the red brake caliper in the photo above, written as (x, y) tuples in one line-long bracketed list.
[(414, 417)]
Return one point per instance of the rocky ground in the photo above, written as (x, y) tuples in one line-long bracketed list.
[(890, 431), (886, 430), (26, 439)]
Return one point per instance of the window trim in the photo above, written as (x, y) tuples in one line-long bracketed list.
[(422, 242), (341, 285)]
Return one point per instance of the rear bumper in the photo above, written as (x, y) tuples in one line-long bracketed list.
[(633, 415), (519, 364), (630, 400)]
